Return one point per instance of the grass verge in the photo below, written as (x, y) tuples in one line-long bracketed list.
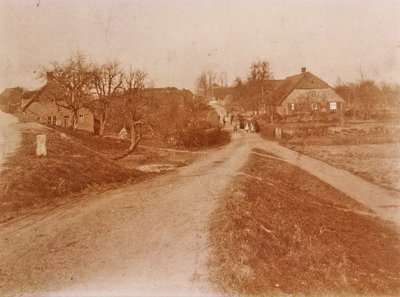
[(375, 158), (281, 231), (29, 182)]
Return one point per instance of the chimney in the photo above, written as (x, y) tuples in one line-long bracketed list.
[(50, 76), (303, 70)]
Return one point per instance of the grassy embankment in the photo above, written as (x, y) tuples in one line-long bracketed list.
[(283, 231), (29, 182)]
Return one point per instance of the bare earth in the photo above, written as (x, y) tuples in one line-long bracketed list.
[(150, 238)]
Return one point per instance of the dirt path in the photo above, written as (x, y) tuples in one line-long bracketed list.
[(149, 238)]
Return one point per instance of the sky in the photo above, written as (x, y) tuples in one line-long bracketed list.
[(174, 41)]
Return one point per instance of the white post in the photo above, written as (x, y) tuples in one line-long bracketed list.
[(41, 145)]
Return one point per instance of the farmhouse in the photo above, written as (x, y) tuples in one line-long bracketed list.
[(36, 106), (305, 94), (10, 95)]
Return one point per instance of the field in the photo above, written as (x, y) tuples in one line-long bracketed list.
[(370, 151), (281, 231)]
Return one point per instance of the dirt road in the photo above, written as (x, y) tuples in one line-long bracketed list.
[(145, 239)]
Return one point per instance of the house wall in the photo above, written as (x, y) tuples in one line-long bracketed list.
[(48, 112), (321, 96)]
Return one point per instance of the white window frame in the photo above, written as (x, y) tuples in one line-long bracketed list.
[(52, 120), (333, 105)]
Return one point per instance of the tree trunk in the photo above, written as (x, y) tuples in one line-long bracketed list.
[(133, 135), (74, 120), (103, 122), (134, 142)]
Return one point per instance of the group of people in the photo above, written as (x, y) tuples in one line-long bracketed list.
[(226, 118), (252, 126)]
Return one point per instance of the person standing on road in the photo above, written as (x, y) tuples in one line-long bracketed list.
[(246, 128)]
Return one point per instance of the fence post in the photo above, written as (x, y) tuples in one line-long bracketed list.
[(41, 145)]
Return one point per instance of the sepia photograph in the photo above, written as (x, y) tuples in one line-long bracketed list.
[(199, 148)]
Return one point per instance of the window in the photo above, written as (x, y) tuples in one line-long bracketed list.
[(52, 120), (332, 105), (292, 106)]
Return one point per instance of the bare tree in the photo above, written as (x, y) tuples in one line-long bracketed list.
[(70, 84), (202, 87), (134, 107), (223, 79), (204, 84), (107, 82), (151, 84), (260, 72), (253, 93)]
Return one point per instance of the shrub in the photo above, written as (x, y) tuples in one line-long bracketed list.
[(195, 137), (267, 130)]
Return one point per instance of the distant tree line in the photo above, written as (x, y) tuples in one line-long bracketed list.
[(207, 81), (253, 92), (250, 93), (365, 98)]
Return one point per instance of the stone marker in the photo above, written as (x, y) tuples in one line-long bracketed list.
[(41, 145)]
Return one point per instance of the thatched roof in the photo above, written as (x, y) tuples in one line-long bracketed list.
[(32, 96), (170, 95), (161, 90), (11, 95), (303, 81), (187, 94), (272, 83), (27, 94)]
